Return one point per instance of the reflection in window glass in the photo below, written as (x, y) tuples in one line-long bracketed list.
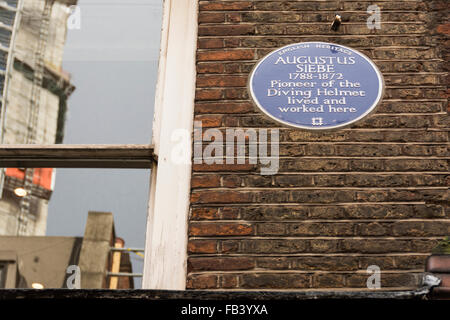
[(2, 274), (76, 72), (73, 224)]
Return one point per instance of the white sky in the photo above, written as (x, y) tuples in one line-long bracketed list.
[(116, 30)]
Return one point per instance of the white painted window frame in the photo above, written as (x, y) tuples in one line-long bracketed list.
[(168, 211)]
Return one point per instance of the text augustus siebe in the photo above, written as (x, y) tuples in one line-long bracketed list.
[(315, 86)]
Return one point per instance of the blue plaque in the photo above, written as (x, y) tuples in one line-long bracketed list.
[(316, 85)]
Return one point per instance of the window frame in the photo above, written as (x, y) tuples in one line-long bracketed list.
[(165, 263)]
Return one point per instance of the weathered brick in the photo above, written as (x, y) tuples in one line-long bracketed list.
[(274, 213), (208, 94), (226, 30), (210, 68), (294, 181), (229, 213), (270, 229), (325, 263), (223, 167), (383, 262), (210, 43), (233, 17), (220, 229), (205, 214), (221, 55), (328, 280), (202, 246), (221, 81), (220, 107), (274, 246), (416, 165), (323, 246), (222, 264), (314, 165), (375, 245), (209, 121), (274, 263), (201, 281), (320, 229), (228, 281), (393, 195), (205, 181), (211, 17), (373, 229), (421, 228), (388, 280), (410, 262), (225, 5), (275, 281), (365, 174)]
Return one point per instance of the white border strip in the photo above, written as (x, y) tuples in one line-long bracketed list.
[(167, 224)]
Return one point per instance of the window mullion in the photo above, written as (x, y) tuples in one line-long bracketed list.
[(77, 156)]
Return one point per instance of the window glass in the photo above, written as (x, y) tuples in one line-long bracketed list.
[(2, 274), (76, 72)]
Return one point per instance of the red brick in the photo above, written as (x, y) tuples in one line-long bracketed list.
[(233, 17), (325, 177), (275, 281), (229, 213), (208, 94), (205, 214), (223, 167), (211, 17), (220, 229), (328, 280), (202, 281), (438, 263), (445, 278), (225, 6), (444, 28), (202, 246), (221, 197), (222, 264), (229, 55), (229, 281), (232, 43), (229, 246), (231, 181), (210, 68), (210, 43), (221, 107), (206, 181), (221, 81), (210, 121)]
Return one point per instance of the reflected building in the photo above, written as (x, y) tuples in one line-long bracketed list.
[(55, 262), (34, 91)]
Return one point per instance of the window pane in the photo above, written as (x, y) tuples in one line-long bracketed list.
[(113, 60), (2, 274), (80, 72), (72, 218)]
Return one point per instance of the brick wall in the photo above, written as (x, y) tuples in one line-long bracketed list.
[(374, 193)]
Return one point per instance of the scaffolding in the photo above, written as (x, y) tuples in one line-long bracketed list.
[(10, 14), (33, 113), (34, 90)]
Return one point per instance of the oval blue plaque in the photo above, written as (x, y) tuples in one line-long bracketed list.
[(316, 85)]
